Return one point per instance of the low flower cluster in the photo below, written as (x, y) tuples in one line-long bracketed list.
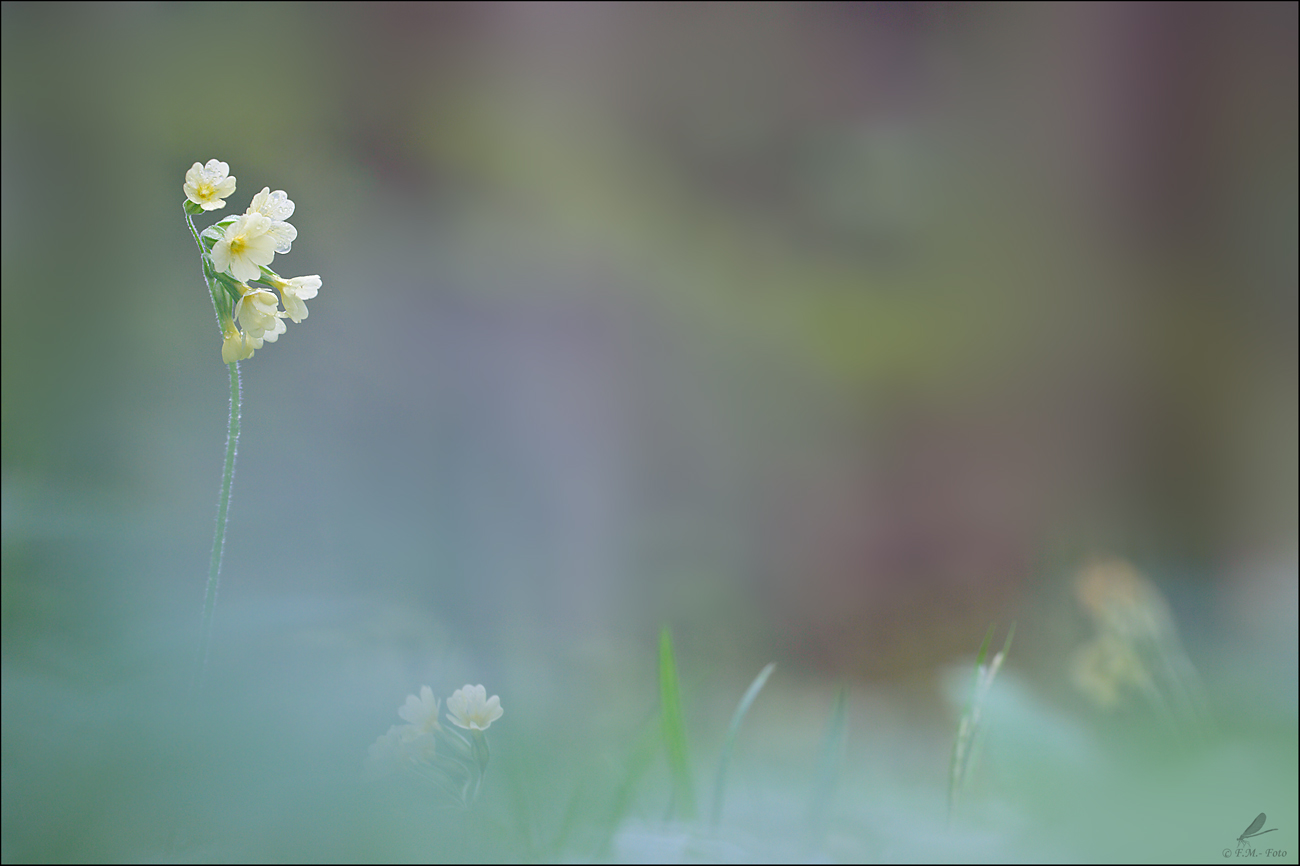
[(237, 254), (453, 761), (1136, 650)]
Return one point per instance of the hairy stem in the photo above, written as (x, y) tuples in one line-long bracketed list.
[(223, 511), (227, 473)]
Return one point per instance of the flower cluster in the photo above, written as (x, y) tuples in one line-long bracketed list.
[(1135, 650), (424, 748), (237, 253)]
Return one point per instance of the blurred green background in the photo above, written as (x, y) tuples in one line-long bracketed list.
[(824, 334)]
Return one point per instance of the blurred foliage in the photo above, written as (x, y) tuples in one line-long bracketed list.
[(824, 333)]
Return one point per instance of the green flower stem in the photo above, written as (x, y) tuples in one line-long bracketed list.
[(227, 473), (481, 752), (481, 756), (223, 511), (189, 221)]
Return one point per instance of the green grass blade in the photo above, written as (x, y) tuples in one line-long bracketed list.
[(984, 649), (730, 742), (674, 731), (961, 742), (966, 743), (989, 674), (829, 761)]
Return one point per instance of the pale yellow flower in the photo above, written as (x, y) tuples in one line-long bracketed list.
[(421, 712), (208, 185), (235, 346), (1107, 668), (246, 245), (296, 290), (472, 709), (259, 316), (277, 207), (1122, 600)]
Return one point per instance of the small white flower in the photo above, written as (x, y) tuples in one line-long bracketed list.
[(208, 185), (246, 245), (472, 709), (421, 712), (276, 207), (259, 316), (296, 290)]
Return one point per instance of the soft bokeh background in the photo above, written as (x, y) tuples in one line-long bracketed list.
[(823, 334)]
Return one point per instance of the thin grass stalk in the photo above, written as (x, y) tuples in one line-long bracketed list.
[(966, 744), (682, 803), (729, 744), (829, 760)]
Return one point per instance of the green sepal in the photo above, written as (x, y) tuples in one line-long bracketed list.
[(229, 283), (222, 300), (215, 231), (192, 209)]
